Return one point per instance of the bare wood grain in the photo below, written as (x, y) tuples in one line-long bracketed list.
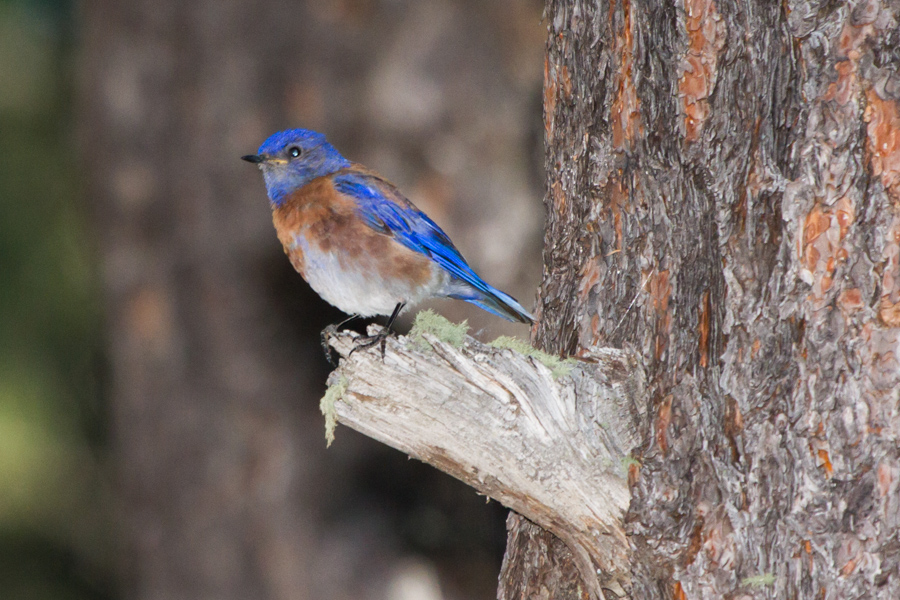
[(553, 450)]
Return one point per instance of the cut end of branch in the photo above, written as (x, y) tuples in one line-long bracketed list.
[(547, 437)]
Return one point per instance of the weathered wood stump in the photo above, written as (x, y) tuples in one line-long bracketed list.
[(552, 445)]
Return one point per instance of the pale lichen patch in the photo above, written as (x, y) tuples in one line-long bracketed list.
[(440, 327), (326, 405), (559, 367)]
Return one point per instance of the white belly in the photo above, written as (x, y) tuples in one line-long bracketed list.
[(358, 289)]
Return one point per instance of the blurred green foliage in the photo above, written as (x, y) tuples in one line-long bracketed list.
[(54, 530)]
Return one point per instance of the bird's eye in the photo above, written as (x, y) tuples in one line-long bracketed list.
[(294, 151)]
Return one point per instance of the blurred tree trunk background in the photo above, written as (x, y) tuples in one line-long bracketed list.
[(52, 514), (215, 370), (724, 196)]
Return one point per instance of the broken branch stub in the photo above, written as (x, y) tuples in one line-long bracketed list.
[(556, 451)]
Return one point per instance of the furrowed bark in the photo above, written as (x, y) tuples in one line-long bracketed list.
[(724, 196)]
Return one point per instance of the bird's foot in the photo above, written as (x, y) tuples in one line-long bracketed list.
[(330, 331), (366, 341), (382, 336), (326, 347), (371, 340)]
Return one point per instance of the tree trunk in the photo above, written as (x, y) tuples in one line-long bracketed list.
[(212, 458), (724, 197)]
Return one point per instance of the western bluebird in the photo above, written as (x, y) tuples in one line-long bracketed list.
[(358, 242)]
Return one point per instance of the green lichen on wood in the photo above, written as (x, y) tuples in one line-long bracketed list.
[(326, 405), (428, 321), (759, 580), (559, 367)]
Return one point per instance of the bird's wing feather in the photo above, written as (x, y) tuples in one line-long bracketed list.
[(386, 210)]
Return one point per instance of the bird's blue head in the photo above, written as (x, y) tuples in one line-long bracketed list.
[(292, 158)]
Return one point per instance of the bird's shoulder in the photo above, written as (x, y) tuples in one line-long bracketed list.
[(384, 209), (366, 186)]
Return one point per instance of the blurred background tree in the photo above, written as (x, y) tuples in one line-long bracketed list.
[(54, 540), (159, 361)]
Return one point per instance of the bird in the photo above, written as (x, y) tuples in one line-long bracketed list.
[(357, 240)]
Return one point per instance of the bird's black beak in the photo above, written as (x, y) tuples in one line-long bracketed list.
[(254, 158)]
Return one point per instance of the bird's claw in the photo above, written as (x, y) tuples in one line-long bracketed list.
[(326, 347), (370, 340)]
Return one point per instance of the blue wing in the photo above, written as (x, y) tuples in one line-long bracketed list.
[(386, 210)]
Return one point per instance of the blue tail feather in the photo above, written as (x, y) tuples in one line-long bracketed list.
[(495, 302)]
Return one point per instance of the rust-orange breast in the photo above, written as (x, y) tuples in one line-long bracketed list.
[(318, 216)]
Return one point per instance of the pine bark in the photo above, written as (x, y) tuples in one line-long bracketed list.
[(724, 197)]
